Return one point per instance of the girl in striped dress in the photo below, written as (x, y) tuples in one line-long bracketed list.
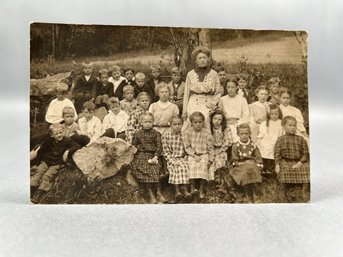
[(291, 159), (222, 140), (175, 155), (199, 147)]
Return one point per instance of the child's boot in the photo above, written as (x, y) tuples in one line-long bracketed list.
[(37, 196), (188, 196), (159, 195)]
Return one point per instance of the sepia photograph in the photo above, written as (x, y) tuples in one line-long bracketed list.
[(168, 115)]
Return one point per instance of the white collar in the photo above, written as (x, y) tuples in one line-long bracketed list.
[(244, 143)]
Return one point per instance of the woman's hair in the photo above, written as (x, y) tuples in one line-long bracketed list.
[(143, 94), (273, 107), (103, 72), (89, 106), (201, 49), (196, 115), (116, 68), (175, 117), (259, 88), (155, 67), (68, 110), (129, 69), (113, 101), (285, 90), (218, 112), (286, 119), (160, 86), (243, 126), (140, 75)]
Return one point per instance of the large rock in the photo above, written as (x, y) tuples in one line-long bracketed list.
[(104, 157), (47, 85)]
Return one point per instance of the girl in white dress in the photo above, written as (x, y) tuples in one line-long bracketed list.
[(270, 130)]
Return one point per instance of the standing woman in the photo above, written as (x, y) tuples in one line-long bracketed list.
[(202, 89)]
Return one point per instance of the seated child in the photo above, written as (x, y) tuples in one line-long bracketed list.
[(247, 163), (288, 110), (222, 140), (274, 88), (129, 80), (235, 108), (270, 130), (177, 88), (142, 87), (51, 154), (129, 103), (198, 145), (291, 159), (85, 87), (133, 123), (258, 111), (175, 155), (115, 122), (116, 77), (104, 89), (89, 125), (145, 166), (243, 90), (163, 110), (54, 112), (154, 80)]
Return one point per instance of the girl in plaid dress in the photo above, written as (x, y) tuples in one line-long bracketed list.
[(247, 162), (222, 140), (145, 166), (175, 155), (133, 123), (291, 159), (198, 144)]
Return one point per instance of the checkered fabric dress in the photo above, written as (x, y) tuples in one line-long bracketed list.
[(290, 149), (133, 124), (245, 157), (221, 141), (175, 155), (198, 143), (148, 144)]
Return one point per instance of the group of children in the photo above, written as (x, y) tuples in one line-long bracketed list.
[(243, 139)]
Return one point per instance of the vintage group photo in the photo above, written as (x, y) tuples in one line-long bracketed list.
[(167, 115)]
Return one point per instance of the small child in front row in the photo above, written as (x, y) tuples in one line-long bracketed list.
[(54, 112), (115, 122), (198, 145), (222, 140), (258, 111), (175, 155), (247, 163), (270, 131), (133, 123), (51, 154), (104, 89), (129, 103), (291, 160), (145, 166), (89, 125)]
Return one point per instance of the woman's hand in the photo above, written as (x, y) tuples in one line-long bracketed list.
[(277, 169), (297, 165)]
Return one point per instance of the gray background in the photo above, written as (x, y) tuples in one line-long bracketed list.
[(184, 230)]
